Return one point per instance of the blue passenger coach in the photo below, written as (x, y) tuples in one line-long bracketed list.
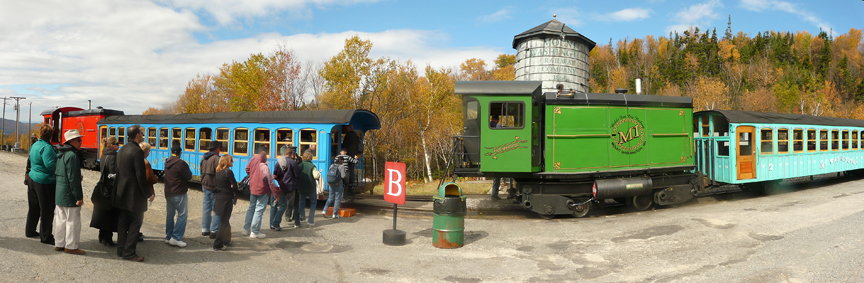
[(243, 134), (741, 147)]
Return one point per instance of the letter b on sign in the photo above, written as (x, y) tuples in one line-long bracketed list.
[(394, 175)]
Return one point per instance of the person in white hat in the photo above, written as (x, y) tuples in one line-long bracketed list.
[(69, 196)]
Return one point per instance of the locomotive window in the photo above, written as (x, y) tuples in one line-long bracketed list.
[(163, 138), (798, 140), (471, 110), (854, 140), (206, 135), (284, 140), (189, 145), (121, 136), (308, 142), (151, 137), (222, 137), (241, 141), (823, 140), (262, 140), (835, 140), (845, 143), (782, 141), (767, 143), (510, 115), (811, 140)]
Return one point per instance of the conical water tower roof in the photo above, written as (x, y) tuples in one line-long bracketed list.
[(553, 28)]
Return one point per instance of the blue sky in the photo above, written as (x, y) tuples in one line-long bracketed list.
[(133, 54)]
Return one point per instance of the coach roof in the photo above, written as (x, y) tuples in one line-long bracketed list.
[(742, 117), (360, 118)]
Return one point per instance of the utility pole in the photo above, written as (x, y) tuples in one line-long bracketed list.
[(17, 118), (3, 128), (29, 126)]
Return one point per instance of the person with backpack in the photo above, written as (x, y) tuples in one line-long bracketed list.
[(348, 164), (69, 195), (177, 173), (286, 174), (306, 188), (335, 174), (105, 215)]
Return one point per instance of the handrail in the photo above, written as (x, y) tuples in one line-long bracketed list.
[(579, 136), (671, 135)]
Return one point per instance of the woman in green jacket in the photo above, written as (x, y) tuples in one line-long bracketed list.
[(42, 183), (70, 196)]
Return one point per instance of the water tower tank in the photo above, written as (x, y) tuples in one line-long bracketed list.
[(554, 54)]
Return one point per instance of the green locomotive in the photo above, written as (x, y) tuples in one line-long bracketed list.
[(569, 150)]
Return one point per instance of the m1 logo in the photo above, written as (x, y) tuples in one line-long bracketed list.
[(394, 172)]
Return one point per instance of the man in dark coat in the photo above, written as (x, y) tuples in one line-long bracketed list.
[(176, 201), (209, 220), (286, 174), (131, 195)]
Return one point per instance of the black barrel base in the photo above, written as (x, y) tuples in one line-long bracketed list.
[(394, 237)]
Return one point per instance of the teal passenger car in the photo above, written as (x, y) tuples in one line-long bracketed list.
[(760, 149)]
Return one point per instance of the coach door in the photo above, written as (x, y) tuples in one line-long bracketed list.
[(746, 161)]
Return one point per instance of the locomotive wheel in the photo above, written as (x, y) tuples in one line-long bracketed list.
[(642, 203), (771, 188), (549, 212), (580, 211)]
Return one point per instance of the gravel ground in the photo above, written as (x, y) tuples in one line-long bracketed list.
[(810, 234)]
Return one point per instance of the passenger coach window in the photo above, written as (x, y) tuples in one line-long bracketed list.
[(222, 137), (262, 140), (103, 134), (782, 141), (767, 143), (190, 140), (723, 148), (204, 139), (151, 137), (811, 140), (798, 140), (510, 115), (241, 142), (471, 110), (175, 137), (308, 140), (163, 138), (121, 136), (823, 140), (845, 140), (112, 132), (744, 146), (284, 140), (854, 140), (706, 129), (835, 141)]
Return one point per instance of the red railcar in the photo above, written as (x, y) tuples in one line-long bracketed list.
[(74, 118)]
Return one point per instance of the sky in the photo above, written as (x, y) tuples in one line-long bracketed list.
[(133, 54)]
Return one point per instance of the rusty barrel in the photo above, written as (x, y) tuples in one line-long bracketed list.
[(448, 217)]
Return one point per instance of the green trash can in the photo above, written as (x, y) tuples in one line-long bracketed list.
[(448, 217)]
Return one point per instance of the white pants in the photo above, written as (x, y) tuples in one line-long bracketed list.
[(67, 227)]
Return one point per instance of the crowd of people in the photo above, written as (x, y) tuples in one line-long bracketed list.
[(125, 190)]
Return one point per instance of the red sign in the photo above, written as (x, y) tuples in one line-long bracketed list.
[(394, 173)]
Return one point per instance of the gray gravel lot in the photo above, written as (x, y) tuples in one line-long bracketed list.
[(811, 234)]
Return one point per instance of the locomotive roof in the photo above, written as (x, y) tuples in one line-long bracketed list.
[(619, 99), (497, 87), (735, 116), (364, 119)]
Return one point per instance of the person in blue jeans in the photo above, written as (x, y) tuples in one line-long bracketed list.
[(177, 174), (209, 220), (261, 187), (306, 188), (336, 189), (286, 173)]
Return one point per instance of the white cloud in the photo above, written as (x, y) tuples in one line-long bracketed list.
[(698, 15), (625, 15), (500, 15), (130, 55), (792, 8), (228, 11)]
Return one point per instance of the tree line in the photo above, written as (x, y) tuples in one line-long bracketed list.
[(770, 72)]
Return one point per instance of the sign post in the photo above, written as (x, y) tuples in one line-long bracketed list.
[(394, 173)]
